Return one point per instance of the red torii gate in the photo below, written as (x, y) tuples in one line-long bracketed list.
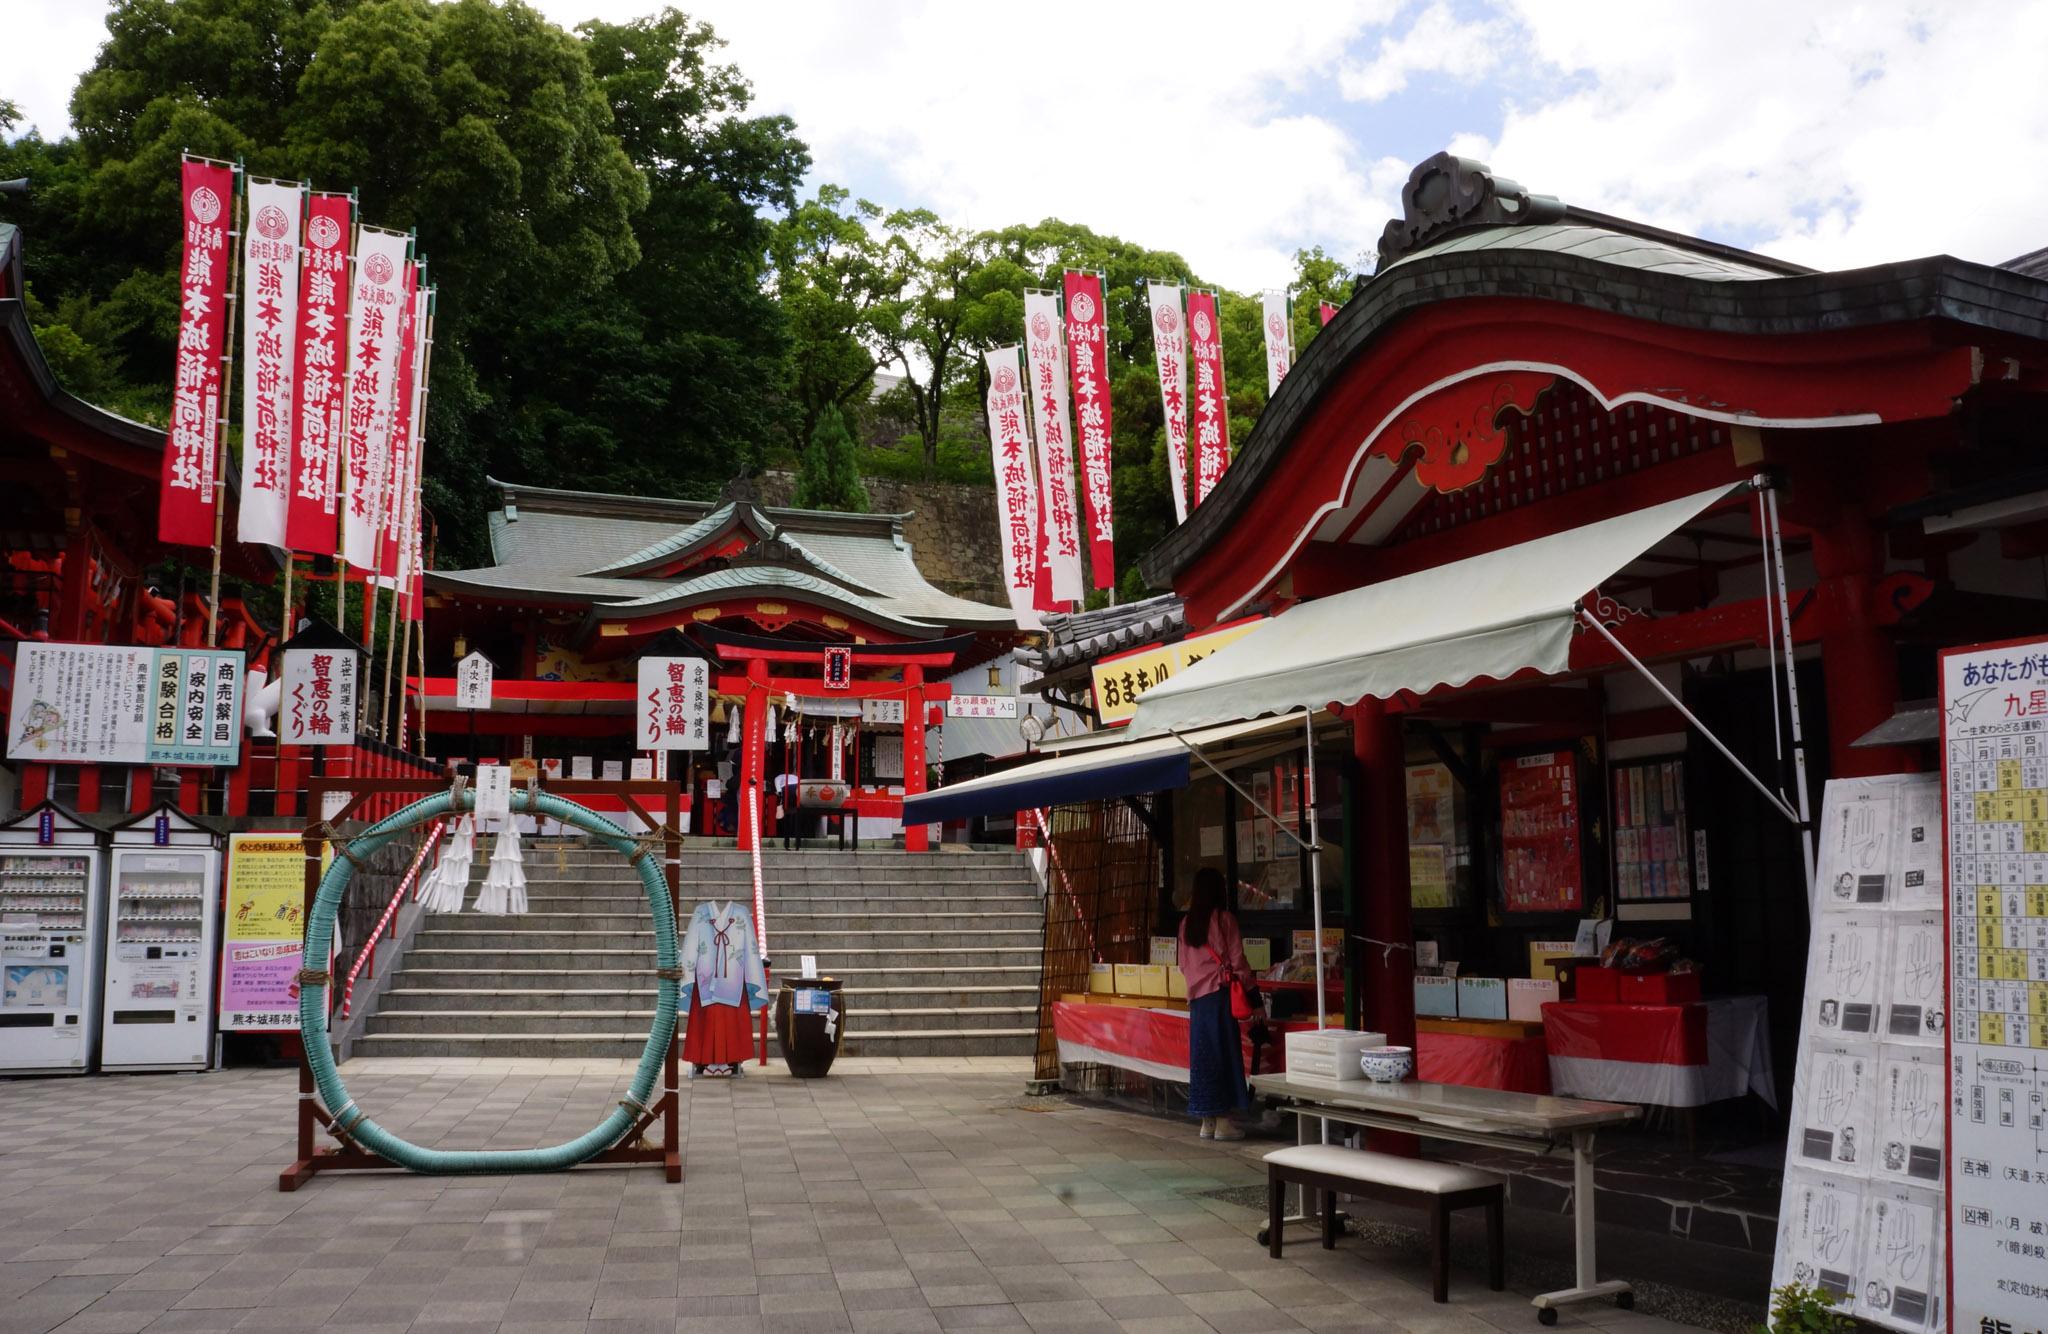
[(758, 688)]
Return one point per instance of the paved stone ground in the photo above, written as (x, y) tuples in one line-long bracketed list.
[(896, 1195)]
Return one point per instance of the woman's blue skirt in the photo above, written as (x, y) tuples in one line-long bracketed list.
[(1215, 1057)]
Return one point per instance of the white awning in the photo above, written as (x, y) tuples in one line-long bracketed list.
[(1488, 616), (1123, 769)]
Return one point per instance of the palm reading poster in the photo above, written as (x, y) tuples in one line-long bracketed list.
[(1863, 1204)]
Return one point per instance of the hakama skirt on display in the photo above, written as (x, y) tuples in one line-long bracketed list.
[(717, 1034), (1215, 1057)]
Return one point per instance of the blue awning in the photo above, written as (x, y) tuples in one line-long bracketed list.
[(1115, 769)]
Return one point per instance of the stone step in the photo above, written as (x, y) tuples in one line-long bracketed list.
[(549, 1022), (599, 997), (489, 972), (623, 933), (623, 1045), (781, 906), (839, 964), (550, 880)]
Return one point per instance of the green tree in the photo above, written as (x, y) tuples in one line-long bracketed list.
[(828, 478), (1318, 277), (835, 280)]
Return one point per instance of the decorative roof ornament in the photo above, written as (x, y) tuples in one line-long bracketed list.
[(1447, 194)]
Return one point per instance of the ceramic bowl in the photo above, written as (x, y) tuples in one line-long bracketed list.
[(1387, 1065)]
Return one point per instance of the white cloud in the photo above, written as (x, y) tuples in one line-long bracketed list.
[(49, 44), (1835, 135), (1438, 42), (1178, 128)]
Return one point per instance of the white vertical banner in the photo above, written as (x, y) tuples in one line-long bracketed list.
[(1279, 339), (270, 318), (1045, 357), (377, 289), (1170, 348), (1016, 492)]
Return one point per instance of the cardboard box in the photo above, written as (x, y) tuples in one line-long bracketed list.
[(1130, 981), (1437, 996), (1176, 982), (1657, 988), (1152, 979), (1596, 984), (1541, 952), (1482, 998), (1101, 979), (1528, 995)]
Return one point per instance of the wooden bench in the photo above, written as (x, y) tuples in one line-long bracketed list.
[(1441, 1188)]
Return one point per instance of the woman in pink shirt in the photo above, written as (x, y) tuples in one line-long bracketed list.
[(1211, 954)]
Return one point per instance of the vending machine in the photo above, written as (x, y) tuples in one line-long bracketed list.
[(163, 911), (51, 900)]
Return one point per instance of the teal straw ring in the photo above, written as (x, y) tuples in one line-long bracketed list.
[(452, 1162)]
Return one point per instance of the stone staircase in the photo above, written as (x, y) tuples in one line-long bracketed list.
[(939, 953)]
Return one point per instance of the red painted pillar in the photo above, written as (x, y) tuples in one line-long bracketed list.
[(35, 785), (141, 788), (916, 837), (89, 789), (753, 755), (1379, 879), (68, 625), (1859, 662)]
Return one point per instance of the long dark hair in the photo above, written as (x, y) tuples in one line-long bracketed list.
[(1205, 900)]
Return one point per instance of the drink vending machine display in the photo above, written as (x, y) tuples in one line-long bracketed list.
[(164, 908), (51, 898)]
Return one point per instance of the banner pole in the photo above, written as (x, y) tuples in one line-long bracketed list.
[(285, 620), (409, 514), (227, 386)]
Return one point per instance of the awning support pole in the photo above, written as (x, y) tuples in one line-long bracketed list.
[(1250, 800), (1791, 690), (1315, 864), (1777, 802)]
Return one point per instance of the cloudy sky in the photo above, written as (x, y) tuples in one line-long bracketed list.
[(1837, 134)]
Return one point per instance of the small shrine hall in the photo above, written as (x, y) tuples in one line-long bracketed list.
[(817, 624)]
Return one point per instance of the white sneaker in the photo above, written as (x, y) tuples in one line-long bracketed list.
[(1208, 1127), (1227, 1129)]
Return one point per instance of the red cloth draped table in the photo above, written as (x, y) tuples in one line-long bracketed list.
[(1663, 1055), (1148, 1041), (1479, 1060)]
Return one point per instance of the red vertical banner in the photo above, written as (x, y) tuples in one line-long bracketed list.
[(1328, 311), (1210, 415), (416, 521), (185, 515), (1087, 357), (311, 521)]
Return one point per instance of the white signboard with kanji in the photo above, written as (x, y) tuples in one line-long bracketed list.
[(982, 706), (318, 706), (473, 677), (674, 704), (1994, 736), (108, 704), (883, 711)]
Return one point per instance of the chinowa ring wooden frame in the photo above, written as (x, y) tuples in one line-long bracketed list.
[(323, 1101)]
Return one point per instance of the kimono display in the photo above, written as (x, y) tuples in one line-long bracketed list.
[(723, 985)]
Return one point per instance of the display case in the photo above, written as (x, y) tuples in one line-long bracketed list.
[(50, 899), (163, 911)]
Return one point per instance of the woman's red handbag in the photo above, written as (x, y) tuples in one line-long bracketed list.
[(1244, 1003)]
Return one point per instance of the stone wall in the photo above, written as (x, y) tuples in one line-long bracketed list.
[(951, 529)]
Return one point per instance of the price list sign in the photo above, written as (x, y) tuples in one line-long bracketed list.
[(1994, 737)]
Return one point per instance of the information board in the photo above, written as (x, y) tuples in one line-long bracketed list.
[(1994, 738), (111, 704), (1541, 847), (674, 704), (263, 933), (1861, 1214), (318, 697)]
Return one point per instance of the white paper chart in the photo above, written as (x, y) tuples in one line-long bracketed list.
[(1995, 772), (1862, 1206)]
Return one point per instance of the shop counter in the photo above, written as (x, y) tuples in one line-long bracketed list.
[(1662, 1055), (1482, 1055)]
